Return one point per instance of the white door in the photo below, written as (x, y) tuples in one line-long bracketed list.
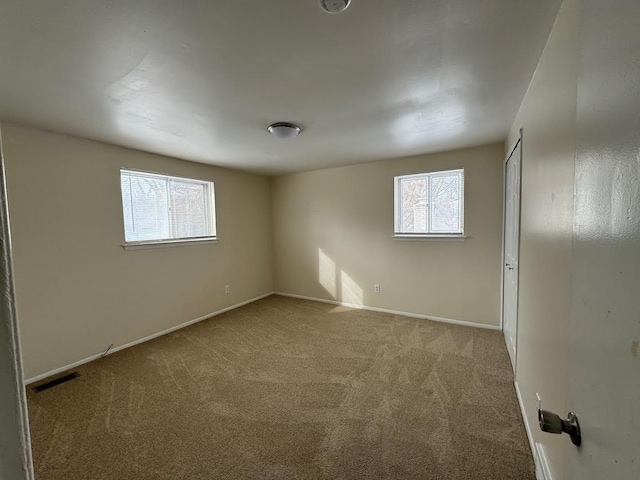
[(511, 250), (604, 354)]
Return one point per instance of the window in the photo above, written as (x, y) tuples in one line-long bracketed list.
[(159, 208), (430, 204)]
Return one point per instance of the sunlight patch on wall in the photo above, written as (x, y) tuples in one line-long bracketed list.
[(327, 273), (351, 292)]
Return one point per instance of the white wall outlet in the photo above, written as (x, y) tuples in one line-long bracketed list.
[(226, 289), (376, 288)]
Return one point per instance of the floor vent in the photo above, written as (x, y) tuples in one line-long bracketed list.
[(56, 381)]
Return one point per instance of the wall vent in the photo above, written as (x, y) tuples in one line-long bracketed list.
[(56, 381)]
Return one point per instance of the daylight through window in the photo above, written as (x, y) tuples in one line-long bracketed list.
[(430, 203), (161, 208)]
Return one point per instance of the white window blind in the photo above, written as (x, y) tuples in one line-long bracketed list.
[(430, 203), (161, 208)]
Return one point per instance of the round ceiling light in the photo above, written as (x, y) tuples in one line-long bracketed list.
[(334, 6), (284, 130)]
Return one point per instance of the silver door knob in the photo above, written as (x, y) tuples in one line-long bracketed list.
[(552, 423)]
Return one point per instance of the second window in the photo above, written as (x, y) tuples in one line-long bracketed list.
[(430, 204)]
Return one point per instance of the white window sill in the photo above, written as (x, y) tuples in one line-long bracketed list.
[(168, 243), (430, 238)]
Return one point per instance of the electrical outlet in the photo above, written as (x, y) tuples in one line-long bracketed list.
[(226, 289), (376, 288)]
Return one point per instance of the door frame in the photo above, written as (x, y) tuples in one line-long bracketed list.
[(517, 145), (15, 460)]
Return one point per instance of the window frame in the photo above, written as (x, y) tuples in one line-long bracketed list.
[(210, 207), (429, 235)]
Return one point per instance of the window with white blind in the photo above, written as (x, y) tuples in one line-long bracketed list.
[(161, 208), (430, 204)]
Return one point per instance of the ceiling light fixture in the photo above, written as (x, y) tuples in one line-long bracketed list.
[(334, 6), (284, 130)]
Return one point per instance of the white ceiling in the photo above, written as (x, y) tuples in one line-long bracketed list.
[(201, 80)]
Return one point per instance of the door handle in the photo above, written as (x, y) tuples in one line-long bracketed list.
[(552, 423)]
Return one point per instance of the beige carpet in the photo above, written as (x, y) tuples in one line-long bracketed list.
[(289, 389)]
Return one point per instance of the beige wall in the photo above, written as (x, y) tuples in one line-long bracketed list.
[(78, 290), (333, 239), (548, 118)]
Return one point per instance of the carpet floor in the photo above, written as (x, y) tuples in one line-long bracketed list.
[(289, 389)]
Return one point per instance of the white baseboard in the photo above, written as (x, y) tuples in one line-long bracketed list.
[(543, 471), (142, 340), (395, 312), (218, 312)]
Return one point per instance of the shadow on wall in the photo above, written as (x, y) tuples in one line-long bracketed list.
[(337, 282)]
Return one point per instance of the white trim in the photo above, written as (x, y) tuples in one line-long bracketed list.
[(165, 175), (527, 427), (168, 243), (430, 237), (386, 310), (543, 472), (142, 340), (237, 305)]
